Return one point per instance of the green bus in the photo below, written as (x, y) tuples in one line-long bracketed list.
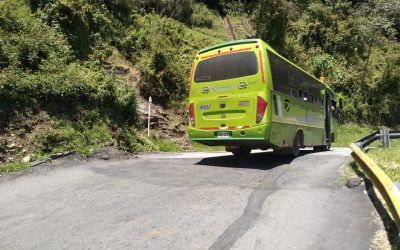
[(243, 95)]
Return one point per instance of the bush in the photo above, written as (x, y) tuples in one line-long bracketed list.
[(86, 25), (81, 137), (202, 16), (163, 50), (271, 19), (180, 10), (38, 73)]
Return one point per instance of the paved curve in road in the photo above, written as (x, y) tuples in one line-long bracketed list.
[(187, 201)]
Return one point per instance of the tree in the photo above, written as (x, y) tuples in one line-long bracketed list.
[(270, 18)]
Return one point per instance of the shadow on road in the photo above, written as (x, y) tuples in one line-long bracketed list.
[(388, 222), (262, 161)]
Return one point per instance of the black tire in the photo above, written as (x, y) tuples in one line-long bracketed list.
[(326, 147), (317, 148), (241, 151), (295, 150)]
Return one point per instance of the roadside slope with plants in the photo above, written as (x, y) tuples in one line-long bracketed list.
[(73, 72)]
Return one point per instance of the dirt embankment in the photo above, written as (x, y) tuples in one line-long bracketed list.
[(166, 123)]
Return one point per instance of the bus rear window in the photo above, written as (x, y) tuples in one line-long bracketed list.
[(226, 67)]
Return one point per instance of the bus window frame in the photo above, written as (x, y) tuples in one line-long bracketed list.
[(228, 54)]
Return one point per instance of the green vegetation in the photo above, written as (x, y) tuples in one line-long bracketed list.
[(166, 60), (388, 159), (39, 72), (135, 141), (203, 148), (83, 138), (12, 167), (164, 145), (351, 132)]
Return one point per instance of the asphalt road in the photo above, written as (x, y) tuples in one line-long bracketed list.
[(187, 201)]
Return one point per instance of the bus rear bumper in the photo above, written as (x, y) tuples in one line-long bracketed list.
[(257, 136)]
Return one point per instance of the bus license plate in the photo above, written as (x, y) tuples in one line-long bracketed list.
[(223, 134)]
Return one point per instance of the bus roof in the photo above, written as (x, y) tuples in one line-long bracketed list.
[(221, 45)]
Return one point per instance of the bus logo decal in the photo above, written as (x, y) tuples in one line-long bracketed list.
[(287, 105), (206, 90), (242, 85)]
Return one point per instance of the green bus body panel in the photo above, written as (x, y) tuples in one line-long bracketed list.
[(301, 115), (280, 123)]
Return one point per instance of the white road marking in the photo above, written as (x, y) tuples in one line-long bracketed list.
[(200, 155)]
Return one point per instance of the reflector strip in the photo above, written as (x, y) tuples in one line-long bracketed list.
[(191, 77), (225, 128), (210, 128), (225, 53), (262, 67)]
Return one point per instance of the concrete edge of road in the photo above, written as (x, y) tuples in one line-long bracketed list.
[(203, 154), (383, 183)]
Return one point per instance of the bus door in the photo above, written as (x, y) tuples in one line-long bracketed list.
[(328, 110)]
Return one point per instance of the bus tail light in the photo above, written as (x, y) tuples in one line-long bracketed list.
[(261, 107), (191, 115)]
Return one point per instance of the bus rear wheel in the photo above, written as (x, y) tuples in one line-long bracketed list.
[(293, 151), (296, 145), (239, 150)]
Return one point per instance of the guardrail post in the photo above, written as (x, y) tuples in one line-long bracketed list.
[(385, 138)]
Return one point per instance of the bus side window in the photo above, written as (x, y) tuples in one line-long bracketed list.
[(279, 71)]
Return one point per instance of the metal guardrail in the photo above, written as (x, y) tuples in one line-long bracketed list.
[(384, 135), (383, 183)]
